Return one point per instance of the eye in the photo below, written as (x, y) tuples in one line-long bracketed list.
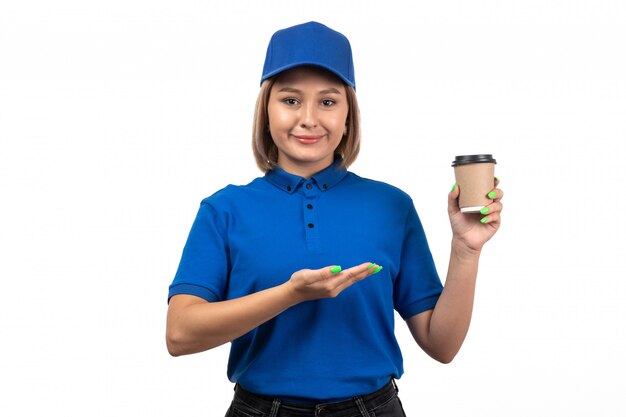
[(290, 101), (328, 102)]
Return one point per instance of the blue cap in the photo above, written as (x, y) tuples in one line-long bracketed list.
[(309, 44)]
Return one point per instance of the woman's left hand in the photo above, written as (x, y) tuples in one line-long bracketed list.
[(474, 229)]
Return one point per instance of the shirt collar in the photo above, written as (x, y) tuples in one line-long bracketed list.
[(324, 180)]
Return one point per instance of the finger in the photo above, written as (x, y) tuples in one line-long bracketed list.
[(453, 196), (493, 219), (496, 181), (494, 207), (335, 272), (323, 274), (496, 194), (454, 193), (356, 274)]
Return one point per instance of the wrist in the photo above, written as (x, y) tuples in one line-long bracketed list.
[(290, 293), (464, 252)]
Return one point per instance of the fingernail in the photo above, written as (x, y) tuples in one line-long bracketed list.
[(492, 194), (484, 210), (483, 220), (335, 269), (453, 187), (497, 179), (377, 270), (371, 266)]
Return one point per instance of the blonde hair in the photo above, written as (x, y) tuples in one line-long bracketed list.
[(264, 148)]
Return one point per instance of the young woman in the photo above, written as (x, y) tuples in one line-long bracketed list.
[(302, 269)]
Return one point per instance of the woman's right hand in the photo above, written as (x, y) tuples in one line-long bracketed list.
[(328, 282), (195, 325)]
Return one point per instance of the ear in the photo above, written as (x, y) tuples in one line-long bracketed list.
[(345, 130)]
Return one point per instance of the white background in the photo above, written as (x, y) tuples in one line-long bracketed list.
[(118, 117)]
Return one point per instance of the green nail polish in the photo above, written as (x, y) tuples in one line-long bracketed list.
[(453, 187), (483, 220), (484, 210), (335, 269), (492, 194), (377, 270), (497, 179), (371, 266)]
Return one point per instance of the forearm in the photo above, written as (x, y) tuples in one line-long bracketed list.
[(203, 326), (452, 315)]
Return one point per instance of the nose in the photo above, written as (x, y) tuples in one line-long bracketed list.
[(308, 117)]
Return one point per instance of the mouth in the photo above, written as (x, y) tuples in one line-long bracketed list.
[(308, 139)]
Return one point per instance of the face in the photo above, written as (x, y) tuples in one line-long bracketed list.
[(307, 112)]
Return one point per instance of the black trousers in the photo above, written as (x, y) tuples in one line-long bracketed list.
[(382, 403)]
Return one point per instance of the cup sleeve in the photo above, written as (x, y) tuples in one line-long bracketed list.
[(417, 286), (204, 266)]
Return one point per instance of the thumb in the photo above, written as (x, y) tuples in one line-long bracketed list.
[(329, 271), (326, 272), (453, 197)]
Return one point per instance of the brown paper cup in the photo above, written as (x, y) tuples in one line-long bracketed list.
[(475, 179)]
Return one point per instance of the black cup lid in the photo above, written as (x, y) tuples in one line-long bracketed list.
[(473, 159)]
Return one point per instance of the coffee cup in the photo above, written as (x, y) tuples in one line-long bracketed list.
[(475, 179)]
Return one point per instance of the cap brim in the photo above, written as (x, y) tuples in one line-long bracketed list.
[(307, 63)]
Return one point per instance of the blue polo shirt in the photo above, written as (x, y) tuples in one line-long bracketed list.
[(252, 237)]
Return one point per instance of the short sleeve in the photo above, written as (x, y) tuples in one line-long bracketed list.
[(417, 286), (204, 266)]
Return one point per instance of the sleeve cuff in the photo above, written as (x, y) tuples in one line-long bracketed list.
[(192, 289), (419, 307)]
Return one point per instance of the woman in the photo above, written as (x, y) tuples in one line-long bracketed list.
[(262, 267)]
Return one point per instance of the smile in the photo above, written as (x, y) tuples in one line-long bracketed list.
[(308, 139)]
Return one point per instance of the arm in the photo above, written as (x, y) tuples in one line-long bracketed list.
[(195, 325), (440, 332)]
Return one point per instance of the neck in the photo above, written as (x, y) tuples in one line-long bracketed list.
[(303, 169)]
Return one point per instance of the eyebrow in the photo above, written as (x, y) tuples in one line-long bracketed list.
[(331, 90)]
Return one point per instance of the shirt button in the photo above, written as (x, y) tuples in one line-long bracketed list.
[(309, 206), (309, 186), (289, 188), (311, 225), (325, 186)]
